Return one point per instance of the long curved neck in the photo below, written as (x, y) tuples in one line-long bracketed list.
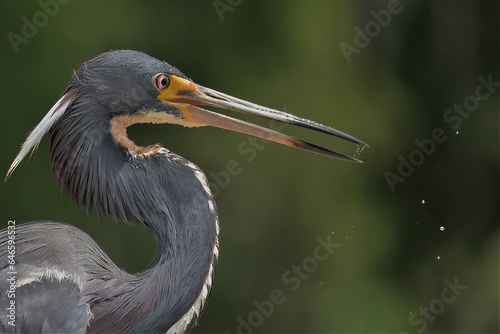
[(164, 192)]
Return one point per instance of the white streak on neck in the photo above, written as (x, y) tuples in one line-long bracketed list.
[(195, 310)]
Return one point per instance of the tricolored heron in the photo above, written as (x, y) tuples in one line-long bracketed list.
[(64, 282)]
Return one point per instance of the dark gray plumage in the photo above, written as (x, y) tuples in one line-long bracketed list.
[(64, 281), (125, 187)]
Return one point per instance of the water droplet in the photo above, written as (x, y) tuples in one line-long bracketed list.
[(439, 257), (457, 132), (359, 149), (423, 201), (441, 228)]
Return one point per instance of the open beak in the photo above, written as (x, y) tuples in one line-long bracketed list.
[(186, 96)]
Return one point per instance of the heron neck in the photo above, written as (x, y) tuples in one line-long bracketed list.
[(182, 216), (162, 191)]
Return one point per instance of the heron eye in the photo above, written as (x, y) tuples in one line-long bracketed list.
[(162, 81)]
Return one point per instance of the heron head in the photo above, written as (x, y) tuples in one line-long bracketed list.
[(124, 87)]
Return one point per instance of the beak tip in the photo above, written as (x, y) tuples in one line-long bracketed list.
[(362, 143), (356, 161)]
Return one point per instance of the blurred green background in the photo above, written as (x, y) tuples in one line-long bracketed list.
[(392, 258)]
